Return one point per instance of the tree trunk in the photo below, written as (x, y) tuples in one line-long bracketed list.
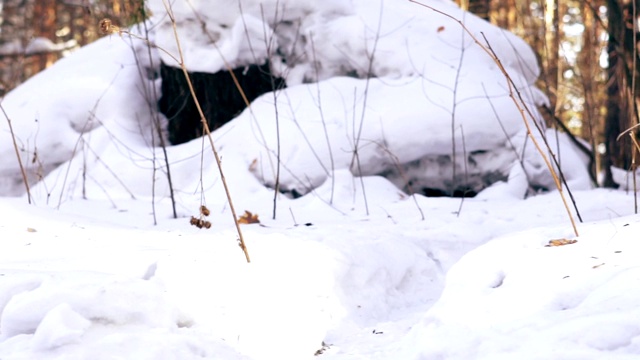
[(14, 35), (620, 102), (482, 8)]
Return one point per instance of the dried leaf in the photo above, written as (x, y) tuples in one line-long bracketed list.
[(440, 28), (561, 242), (248, 218), (254, 165), (29, 229)]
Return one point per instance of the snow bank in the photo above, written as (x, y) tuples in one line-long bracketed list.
[(515, 296), (87, 314), (54, 112)]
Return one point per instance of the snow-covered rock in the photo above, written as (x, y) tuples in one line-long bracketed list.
[(402, 92)]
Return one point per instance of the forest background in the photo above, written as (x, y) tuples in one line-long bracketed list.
[(587, 51)]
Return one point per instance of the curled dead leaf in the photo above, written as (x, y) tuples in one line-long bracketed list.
[(248, 218), (561, 242), (253, 165)]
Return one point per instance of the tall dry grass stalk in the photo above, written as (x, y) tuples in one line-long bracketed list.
[(205, 125)]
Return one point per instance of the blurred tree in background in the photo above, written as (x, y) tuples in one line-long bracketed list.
[(36, 33), (586, 49)]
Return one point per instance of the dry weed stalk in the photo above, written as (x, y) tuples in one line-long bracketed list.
[(15, 147), (515, 95), (268, 40), (324, 123), (205, 125), (108, 28), (156, 124), (633, 171), (355, 159), (630, 131)]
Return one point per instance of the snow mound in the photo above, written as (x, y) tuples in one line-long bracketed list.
[(93, 315), (516, 295), (70, 298), (53, 113)]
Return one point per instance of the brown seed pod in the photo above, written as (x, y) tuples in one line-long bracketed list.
[(204, 210), (107, 28)]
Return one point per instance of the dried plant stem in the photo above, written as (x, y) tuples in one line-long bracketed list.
[(633, 171), (268, 41), (15, 147), (356, 156), (324, 123), (454, 104), (466, 170), (356, 146), (520, 105), (158, 128), (206, 129)]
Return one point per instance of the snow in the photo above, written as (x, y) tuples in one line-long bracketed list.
[(35, 46), (356, 268), (576, 302)]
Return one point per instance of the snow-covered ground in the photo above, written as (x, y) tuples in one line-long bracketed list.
[(97, 267)]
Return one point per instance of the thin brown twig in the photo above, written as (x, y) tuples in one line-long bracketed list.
[(15, 147)]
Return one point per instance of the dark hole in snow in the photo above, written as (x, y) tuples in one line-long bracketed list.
[(218, 95), (458, 193), (291, 193)]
